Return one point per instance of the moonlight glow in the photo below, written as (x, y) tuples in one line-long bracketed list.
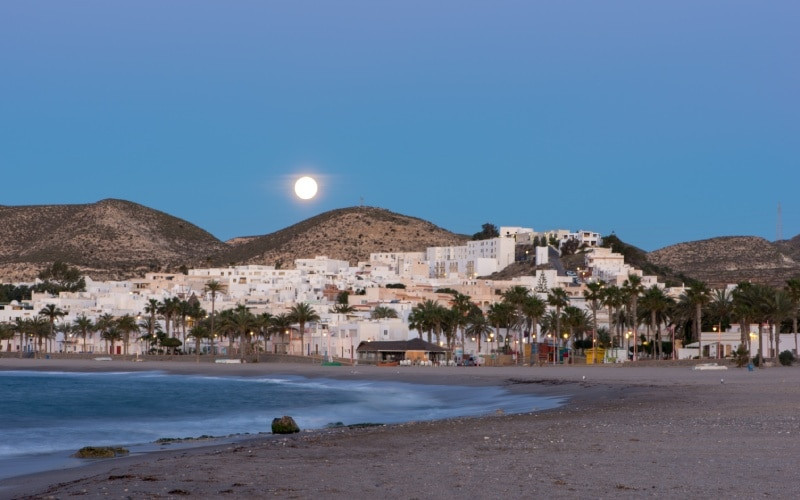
[(305, 188)]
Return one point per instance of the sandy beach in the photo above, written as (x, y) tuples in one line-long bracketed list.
[(625, 431)]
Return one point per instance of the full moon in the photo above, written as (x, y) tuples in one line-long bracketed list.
[(305, 188)]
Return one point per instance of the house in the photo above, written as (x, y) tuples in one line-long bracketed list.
[(394, 351)]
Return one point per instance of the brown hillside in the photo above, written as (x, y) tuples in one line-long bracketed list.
[(730, 259), (110, 239), (347, 234)]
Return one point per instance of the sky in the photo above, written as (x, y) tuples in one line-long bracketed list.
[(659, 121)]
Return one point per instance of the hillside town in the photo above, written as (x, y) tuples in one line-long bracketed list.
[(429, 307)]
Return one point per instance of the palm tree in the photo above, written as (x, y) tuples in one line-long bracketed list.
[(151, 308), (532, 310), (478, 326), (20, 326), (342, 309), (613, 299), (168, 308), (242, 322), (577, 321), (382, 312), (83, 325), (632, 288), (779, 308), (462, 305), (423, 317), (501, 315), (264, 322), (126, 324), (559, 299), (417, 320), (656, 303), (112, 334), (301, 314), (199, 332), (697, 296), (793, 289), (282, 325), (594, 296), (103, 325), (51, 312), (6, 333), (213, 287), (516, 297)]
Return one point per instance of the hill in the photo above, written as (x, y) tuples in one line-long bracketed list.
[(349, 234), (732, 259), (110, 239)]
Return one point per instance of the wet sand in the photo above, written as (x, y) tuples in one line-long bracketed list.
[(626, 431)]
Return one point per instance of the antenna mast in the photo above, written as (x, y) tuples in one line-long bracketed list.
[(779, 228)]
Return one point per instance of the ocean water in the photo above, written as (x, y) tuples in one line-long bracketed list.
[(46, 416)]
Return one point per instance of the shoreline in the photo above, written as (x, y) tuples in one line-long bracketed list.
[(624, 431)]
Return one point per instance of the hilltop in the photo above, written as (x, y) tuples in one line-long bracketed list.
[(349, 234), (732, 259), (117, 239), (110, 239)]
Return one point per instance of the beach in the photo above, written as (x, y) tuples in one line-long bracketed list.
[(624, 431)]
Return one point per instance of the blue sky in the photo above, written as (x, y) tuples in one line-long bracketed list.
[(663, 121)]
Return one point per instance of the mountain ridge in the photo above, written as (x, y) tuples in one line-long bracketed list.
[(119, 239)]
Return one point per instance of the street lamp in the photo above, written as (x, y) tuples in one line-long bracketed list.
[(627, 343), (718, 330)]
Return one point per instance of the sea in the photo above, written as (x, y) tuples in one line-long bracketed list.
[(46, 416)]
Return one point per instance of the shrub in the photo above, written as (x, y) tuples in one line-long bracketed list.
[(786, 358), (741, 357)]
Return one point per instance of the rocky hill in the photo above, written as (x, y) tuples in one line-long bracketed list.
[(116, 239), (110, 239), (349, 234), (732, 259)]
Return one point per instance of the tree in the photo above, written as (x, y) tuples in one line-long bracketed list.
[(51, 312), (656, 304), (60, 277), (301, 314), (342, 309), (213, 287), (240, 321), (613, 300), (594, 296), (151, 308), (697, 296), (502, 315), (533, 309), (83, 325), (382, 312), (779, 308), (478, 326), (793, 289), (632, 288), (199, 332), (559, 299), (462, 305), (169, 308), (126, 325), (103, 325), (487, 232), (6, 333), (282, 325), (516, 297)]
